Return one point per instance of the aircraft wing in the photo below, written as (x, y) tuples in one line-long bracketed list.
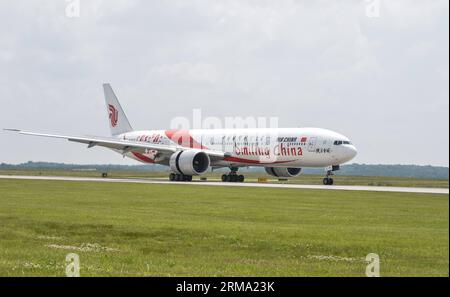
[(122, 145)]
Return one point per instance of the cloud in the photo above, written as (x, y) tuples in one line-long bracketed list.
[(186, 71), (381, 81)]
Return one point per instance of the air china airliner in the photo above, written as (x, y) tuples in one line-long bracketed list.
[(282, 152)]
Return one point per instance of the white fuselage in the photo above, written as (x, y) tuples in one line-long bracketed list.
[(289, 147)]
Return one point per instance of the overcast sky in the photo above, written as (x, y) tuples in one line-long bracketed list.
[(382, 81)]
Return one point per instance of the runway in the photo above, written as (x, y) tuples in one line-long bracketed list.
[(214, 183)]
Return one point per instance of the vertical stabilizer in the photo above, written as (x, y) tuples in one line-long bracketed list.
[(118, 121)]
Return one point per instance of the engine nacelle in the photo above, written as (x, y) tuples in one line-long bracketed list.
[(283, 172), (189, 162)]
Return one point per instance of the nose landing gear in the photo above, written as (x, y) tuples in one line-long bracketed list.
[(233, 177), (328, 180)]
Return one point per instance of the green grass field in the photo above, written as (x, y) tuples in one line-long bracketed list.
[(305, 179), (177, 230)]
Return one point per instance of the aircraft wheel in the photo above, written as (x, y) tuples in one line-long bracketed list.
[(328, 181), (233, 178), (172, 177), (189, 178), (241, 178), (224, 178)]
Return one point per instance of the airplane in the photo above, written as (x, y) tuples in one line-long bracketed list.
[(283, 152)]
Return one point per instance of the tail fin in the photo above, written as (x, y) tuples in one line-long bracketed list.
[(118, 121)]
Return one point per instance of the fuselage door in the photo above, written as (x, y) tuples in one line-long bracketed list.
[(312, 144)]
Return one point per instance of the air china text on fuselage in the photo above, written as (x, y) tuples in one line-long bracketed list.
[(288, 146), (283, 152)]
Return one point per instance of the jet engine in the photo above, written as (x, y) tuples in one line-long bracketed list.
[(283, 172), (189, 162)]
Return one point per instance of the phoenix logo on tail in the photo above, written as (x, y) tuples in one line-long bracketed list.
[(113, 115)]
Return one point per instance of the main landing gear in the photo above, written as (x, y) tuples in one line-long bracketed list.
[(233, 177), (328, 180), (180, 177)]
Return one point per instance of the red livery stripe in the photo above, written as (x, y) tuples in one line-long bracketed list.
[(142, 157)]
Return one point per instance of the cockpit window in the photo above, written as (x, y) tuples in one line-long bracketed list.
[(340, 142)]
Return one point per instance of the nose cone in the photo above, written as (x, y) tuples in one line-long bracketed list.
[(350, 152)]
